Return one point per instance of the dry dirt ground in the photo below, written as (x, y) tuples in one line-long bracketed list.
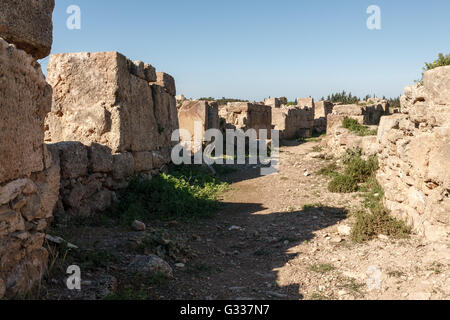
[(268, 242)]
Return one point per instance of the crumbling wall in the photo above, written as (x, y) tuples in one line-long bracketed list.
[(273, 102), (414, 156), (293, 121), (321, 111), (339, 139), (29, 176), (111, 118), (244, 116), (28, 25), (204, 112)]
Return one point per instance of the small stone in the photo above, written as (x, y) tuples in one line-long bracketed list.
[(336, 240), (150, 265), (383, 237), (180, 265), (344, 230), (233, 228), (138, 226), (307, 174)]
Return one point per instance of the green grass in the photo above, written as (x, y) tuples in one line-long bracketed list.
[(311, 206), (357, 171), (186, 193), (330, 170), (358, 129), (342, 184), (370, 224), (322, 268)]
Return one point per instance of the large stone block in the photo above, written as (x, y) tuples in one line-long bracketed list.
[(244, 116), (167, 82), (28, 25), (203, 112), (25, 99), (322, 109), (98, 99), (437, 85)]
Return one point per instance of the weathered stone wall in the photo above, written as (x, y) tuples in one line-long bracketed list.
[(272, 102), (414, 156), (321, 111), (364, 114), (28, 25), (339, 139), (110, 118), (204, 112), (29, 176), (244, 116), (293, 121)]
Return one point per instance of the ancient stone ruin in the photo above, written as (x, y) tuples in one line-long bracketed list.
[(293, 122), (29, 176), (321, 111), (245, 116), (340, 139), (414, 156), (203, 114), (110, 118)]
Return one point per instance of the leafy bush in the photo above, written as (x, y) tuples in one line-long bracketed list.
[(369, 225), (186, 193), (359, 169), (443, 60), (329, 170), (360, 130), (343, 184)]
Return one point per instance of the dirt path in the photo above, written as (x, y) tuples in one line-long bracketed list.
[(270, 242), (264, 245)]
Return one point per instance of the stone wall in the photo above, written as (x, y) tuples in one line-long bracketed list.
[(244, 116), (321, 111), (28, 25), (111, 118), (204, 112), (293, 121), (414, 156), (339, 139), (29, 176), (273, 102)]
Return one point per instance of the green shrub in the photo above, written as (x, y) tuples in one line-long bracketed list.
[(443, 60), (361, 170), (369, 225), (329, 170), (353, 126), (187, 192), (342, 184)]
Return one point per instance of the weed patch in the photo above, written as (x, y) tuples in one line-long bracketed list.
[(369, 225), (354, 126), (185, 193)]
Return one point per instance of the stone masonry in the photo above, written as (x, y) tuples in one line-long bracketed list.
[(244, 116), (28, 25), (110, 118), (339, 139), (293, 121), (321, 111), (414, 156), (29, 175), (204, 112)]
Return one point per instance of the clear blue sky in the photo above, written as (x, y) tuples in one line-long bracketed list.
[(253, 49)]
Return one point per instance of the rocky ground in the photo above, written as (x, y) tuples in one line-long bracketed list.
[(282, 236)]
